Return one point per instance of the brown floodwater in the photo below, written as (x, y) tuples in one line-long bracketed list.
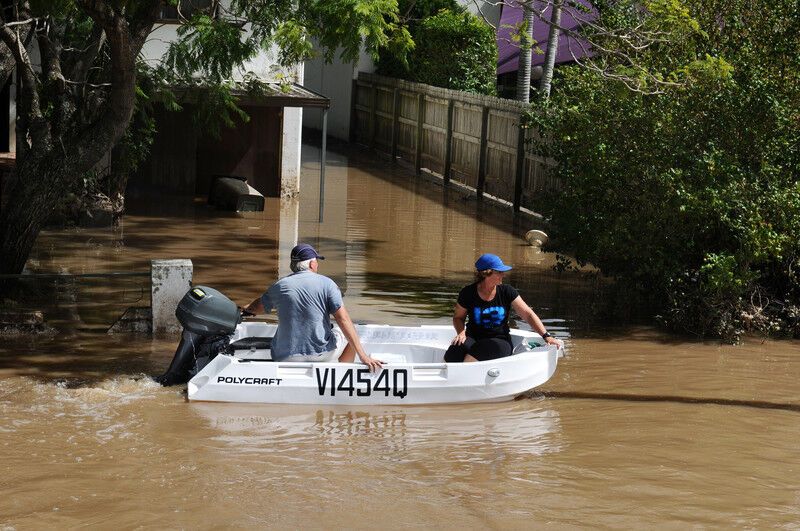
[(636, 428)]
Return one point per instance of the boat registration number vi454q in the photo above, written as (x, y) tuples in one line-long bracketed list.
[(361, 382)]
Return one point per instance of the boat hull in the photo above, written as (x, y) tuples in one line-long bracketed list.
[(407, 378)]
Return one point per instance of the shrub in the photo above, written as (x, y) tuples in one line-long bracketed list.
[(412, 12), (453, 50), (457, 51)]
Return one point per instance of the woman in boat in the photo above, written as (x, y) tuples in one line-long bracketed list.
[(481, 315)]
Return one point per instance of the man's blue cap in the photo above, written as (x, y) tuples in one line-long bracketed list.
[(303, 252), (490, 261)]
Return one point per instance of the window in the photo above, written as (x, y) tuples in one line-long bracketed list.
[(187, 9)]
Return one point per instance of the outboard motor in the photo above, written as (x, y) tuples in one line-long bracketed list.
[(208, 318)]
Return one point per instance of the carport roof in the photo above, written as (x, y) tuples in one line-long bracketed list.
[(269, 95), (289, 95)]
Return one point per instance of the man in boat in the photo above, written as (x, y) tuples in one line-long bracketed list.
[(305, 300)]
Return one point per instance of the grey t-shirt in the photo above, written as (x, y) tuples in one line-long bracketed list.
[(304, 302)]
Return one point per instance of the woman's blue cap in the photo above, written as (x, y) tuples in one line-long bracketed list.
[(490, 261)]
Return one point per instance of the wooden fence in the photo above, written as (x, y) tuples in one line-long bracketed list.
[(468, 138)]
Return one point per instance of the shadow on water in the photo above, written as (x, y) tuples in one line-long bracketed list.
[(83, 359), (623, 397), (428, 186)]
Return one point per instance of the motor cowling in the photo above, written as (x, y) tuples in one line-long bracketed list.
[(207, 312), (207, 317)]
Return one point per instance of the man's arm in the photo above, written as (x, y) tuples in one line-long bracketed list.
[(349, 331), (256, 307)]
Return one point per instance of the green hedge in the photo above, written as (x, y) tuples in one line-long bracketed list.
[(453, 50)]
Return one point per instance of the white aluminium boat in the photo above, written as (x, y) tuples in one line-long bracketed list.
[(413, 373), (227, 360)]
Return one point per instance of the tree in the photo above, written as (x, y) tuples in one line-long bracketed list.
[(68, 116), (690, 196), (525, 48), (610, 38), (552, 49), (77, 107)]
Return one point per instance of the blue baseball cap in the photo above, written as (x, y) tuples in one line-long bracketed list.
[(303, 252), (490, 261)]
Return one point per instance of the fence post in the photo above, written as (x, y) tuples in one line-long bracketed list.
[(395, 122), (520, 170), (420, 132), (448, 142), (483, 152), (373, 122), (170, 280), (353, 112)]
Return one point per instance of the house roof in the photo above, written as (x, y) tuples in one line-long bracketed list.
[(569, 47)]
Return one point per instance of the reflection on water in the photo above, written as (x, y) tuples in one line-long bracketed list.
[(400, 249), (415, 430), (88, 440)]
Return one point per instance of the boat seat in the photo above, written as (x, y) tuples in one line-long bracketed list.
[(405, 352), (252, 343), (388, 357)]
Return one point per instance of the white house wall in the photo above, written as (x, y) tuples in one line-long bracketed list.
[(489, 11), (335, 81)]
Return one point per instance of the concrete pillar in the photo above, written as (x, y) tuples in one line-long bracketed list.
[(170, 280), (290, 151), (291, 141), (288, 233)]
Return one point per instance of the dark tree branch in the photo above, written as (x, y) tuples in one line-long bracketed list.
[(124, 43), (81, 64), (50, 38), (30, 119)]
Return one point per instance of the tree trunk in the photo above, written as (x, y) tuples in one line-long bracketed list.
[(525, 47), (39, 182), (7, 61), (552, 49), (46, 171), (35, 190)]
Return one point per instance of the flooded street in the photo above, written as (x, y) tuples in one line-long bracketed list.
[(636, 428)]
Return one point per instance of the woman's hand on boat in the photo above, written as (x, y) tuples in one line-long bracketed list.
[(459, 339), (372, 363), (553, 341)]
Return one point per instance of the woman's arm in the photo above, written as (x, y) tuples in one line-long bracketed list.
[(460, 324), (530, 317)]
